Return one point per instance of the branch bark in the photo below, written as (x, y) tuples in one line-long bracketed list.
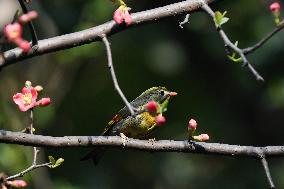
[(93, 34), (142, 145)]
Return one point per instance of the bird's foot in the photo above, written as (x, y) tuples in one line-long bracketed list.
[(123, 138), (152, 140)]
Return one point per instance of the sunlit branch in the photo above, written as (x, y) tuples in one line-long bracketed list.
[(143, 145), (94, 34)]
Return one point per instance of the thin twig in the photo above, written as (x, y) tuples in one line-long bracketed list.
[(114, 79), (267, 172), (251, 49), (32, 132), (35, 152), (30, 24), (228, 43), (29, 169)]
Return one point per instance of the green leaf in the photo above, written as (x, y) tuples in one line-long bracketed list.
[(220, 18), (164, 105), (58, 162), (233, 58), (51, 160)]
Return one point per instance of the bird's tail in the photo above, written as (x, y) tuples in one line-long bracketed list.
[(96, 154)]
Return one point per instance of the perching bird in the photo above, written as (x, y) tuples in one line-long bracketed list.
[(138, 126)]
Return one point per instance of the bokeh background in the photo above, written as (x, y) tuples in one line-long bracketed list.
[(225, 99)]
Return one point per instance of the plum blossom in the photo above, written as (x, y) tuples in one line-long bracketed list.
[(27, 99)]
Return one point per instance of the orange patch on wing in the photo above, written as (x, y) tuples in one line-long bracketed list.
[(113, 121)]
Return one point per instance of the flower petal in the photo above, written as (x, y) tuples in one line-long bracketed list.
[(34, 94), (17, 98)]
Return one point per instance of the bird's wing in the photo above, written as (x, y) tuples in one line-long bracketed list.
[(122, 114), (111, 123)]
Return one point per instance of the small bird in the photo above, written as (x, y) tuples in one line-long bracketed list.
[(138, 126)]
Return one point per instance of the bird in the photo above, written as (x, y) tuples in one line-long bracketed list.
[(138, 126)]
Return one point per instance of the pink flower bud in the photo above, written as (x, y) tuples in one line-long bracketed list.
[(28, 84), (28, 17), (127, 18), (43, 102), (192, 125), (38, 88), (122, 15), (17, 183), (118, 16), (152, 106), (13, 31), (160, 120), (275, 7), (23, 44), (201, 137)]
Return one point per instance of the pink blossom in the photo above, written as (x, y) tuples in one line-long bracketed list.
[(201, 137), (28, 17), (152, 106), (13, 31), (160, 120), (275, 7), (122, 14), (27, 99), (192, 124), (17, 183)]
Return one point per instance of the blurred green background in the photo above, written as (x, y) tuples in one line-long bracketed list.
[(225, 99)]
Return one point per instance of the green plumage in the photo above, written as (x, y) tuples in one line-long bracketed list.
[(135, 127)]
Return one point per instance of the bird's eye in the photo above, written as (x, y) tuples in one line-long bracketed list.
[(162, 93)]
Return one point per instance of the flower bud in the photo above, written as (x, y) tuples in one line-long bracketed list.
[(28, 17), (201, 137), (23, 44), (38, 88), (122, 15), (160, 120), (28, 84), (151, 107), (44, 102), (118, 16), (192, 125), (275, 7), (17, 183)]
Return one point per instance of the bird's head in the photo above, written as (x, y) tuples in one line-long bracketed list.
[(157, 94)]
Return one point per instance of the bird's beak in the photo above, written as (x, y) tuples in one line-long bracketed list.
[(172, 94)]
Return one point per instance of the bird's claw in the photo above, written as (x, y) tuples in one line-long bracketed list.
[(152, 140), (123, 138)]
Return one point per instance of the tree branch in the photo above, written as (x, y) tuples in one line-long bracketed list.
[(93, 34), (251, 49), (229, 44), (142, 145)]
